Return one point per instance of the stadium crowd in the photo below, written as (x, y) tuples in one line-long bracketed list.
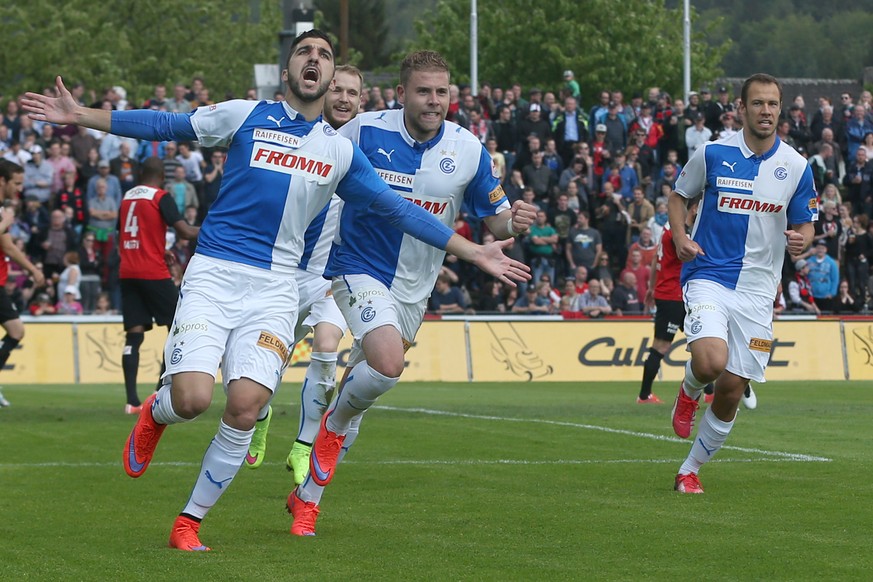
[(599, 176)]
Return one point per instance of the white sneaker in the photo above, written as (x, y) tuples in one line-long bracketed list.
[(750, 401), (3, 402)]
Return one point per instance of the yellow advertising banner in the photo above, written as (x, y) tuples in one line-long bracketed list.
[(100, 350), (45, 356), (601, 351), (438, 354), (859, 349)]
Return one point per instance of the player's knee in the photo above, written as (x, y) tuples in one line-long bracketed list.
[(389, 367)]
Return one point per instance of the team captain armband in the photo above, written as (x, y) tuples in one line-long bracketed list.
[(497, 195)]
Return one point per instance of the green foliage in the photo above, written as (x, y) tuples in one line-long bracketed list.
[(627, 46), (513, 481), (368, 30), (793, 38), (135, 44)]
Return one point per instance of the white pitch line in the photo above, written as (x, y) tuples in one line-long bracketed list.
[(657, 437), (411, 462)]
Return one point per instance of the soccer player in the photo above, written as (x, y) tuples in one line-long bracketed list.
[(665, 294), (11, 185), (238, 299), (148, 293), (318, 310), (382, 278), (753, 186)]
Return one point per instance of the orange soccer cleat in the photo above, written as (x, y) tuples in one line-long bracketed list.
[(184, 535), (142, 441)]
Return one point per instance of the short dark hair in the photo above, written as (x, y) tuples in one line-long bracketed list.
[(9, 169), (760, 78), (313, 33), (421, 61)]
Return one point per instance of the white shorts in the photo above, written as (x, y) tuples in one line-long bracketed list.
[(743, 320), (316, 305), (367, 304), (236, 312)]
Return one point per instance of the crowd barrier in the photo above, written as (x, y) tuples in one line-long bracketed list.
[(62, 350)]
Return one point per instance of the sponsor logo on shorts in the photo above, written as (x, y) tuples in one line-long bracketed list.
[(270, 342), (703, 307), (368, 314), (176, 356), (672, 328), (190, 326), (696, 327), (496, 195), (760, 345), (365, 294)]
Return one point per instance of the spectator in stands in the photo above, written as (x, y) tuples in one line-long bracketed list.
[(697, 135), (61, 164), (830, 229), (36, 217), (645, 245), (593, 302), (533, 301), (498, 160), (491, 297), (613, 223), (183, 192), (446, 298), (59, 240), (800, 295), (71, 199), (553, 161), (81, 144), (110, 146), (625, 298), (569, 128), (125, 167), (798, 129), (584, 243), (615, 128), (568, 297), (856, 128), (825, 119), (867, 144), (104, 305), (68, 305), (562, 218), (542, 241), (642, 271), (539, 177), (38, 176), (859, 182), (857, 250), (91, 265), (824, 276), (640, 212), (212, 178), (42, 305), (506, 134), (534, 123), (602, 271), (845, 302), (103, 212), (88, 170), (823, 164), (71, 276), (514, 187), (113, 184), (577, 172), (179, 103)]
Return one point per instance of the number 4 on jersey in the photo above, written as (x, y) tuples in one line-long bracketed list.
[(131, 224)]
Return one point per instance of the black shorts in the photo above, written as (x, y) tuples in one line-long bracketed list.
[(147, 300), (8, 311), (669, 318)]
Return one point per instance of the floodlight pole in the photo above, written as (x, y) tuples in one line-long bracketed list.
[(686, 81), (474, 48)]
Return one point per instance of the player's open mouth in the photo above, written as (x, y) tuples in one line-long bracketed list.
[(310, 75)]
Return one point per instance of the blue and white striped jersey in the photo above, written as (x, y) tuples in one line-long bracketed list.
[(748, 201), (439, 175), (319, 237)]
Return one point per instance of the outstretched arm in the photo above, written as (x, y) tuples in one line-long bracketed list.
[(64, 109)]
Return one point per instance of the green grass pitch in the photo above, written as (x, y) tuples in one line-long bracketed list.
[(454, 482)]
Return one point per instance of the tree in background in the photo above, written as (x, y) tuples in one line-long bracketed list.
[(136, 44), (626, 45), (368, 30)]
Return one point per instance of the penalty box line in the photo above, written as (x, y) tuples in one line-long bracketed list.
[(778, 455)]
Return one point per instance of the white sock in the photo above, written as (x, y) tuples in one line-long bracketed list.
[(222, 460), (320, 377), (308, 490), (692, 386), (162, 411), (363, 387), (710, 438)]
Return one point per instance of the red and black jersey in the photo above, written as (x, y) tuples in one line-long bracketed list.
[(143, 218), (74, 199), (4, 269), (667, 286)]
